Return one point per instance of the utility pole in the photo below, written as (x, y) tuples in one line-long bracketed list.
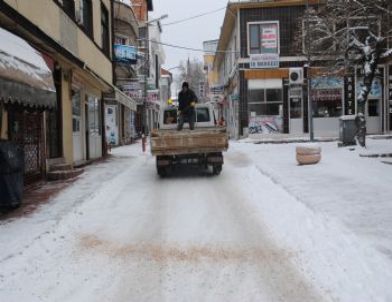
[(309, 82)]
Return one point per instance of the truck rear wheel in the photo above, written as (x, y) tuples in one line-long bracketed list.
[(217, 169)]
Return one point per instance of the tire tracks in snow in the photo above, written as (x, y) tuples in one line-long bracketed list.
[(223, 244)]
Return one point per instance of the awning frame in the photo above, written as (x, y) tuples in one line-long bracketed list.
[(28, 96), (118, 96)]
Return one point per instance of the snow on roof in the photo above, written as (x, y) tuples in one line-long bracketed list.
[(22, 63), (17, 47)]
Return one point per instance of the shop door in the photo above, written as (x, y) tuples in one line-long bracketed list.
[(94, 130), (54, 123), (86, 131), (111, 125), (374, 108), (54, 142), (26, 130), (78, 153), (374, 116), (296, 110)]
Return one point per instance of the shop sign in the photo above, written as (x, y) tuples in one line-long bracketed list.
[(217, 89), (151, 84), (327, 89), (270, 46), (125, 53), (111, 125), (235, 97), (131, 86), (320, 95), (153, 96), (264, 60), (133, 90), (349, 92), (325, 83), (269, 37), (295, 92)]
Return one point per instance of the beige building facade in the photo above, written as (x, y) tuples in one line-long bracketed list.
[(75, 39)]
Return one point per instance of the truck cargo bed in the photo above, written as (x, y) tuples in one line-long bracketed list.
[(204, 140)]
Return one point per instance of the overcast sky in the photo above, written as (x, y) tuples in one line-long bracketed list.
[(191, 33)]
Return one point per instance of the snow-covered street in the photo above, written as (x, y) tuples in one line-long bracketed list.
[(264, 230)]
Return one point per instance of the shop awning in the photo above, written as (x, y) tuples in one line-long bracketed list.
[(118, 96), (25, 78)]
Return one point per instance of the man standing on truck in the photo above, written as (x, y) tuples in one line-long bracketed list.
[(186, 107)]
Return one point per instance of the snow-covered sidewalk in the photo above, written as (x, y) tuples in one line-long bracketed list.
[(265, 230), (355, 191)]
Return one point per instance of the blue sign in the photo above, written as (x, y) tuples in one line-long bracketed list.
[(327, 83), (125, 53)]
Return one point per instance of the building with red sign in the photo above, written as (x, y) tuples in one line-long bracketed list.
[(261, 63)]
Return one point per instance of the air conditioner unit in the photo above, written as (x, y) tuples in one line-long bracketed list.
[(296, 76)]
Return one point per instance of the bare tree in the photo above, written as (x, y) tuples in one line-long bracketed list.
[(347, 33), (192, 72)]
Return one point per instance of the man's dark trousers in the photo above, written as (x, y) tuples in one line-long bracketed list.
[(187, 116)]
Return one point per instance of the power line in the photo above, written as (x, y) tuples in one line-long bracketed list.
[(194, 17), (189, 48)]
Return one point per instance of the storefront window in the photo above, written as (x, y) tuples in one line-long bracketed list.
[(76, 111), (94, 116), (295, 108), (327, 108), (265, 101), (373, 108), (274, 95), (254, 33), (327, 97), (263, 37), (256, 96), (257, 108)]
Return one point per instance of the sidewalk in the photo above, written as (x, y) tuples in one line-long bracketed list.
[(283, 139), (36, 195), (344, 186), (42, 192), (290, 138)]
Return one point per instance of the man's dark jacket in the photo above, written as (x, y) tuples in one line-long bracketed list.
[(184, 101)]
